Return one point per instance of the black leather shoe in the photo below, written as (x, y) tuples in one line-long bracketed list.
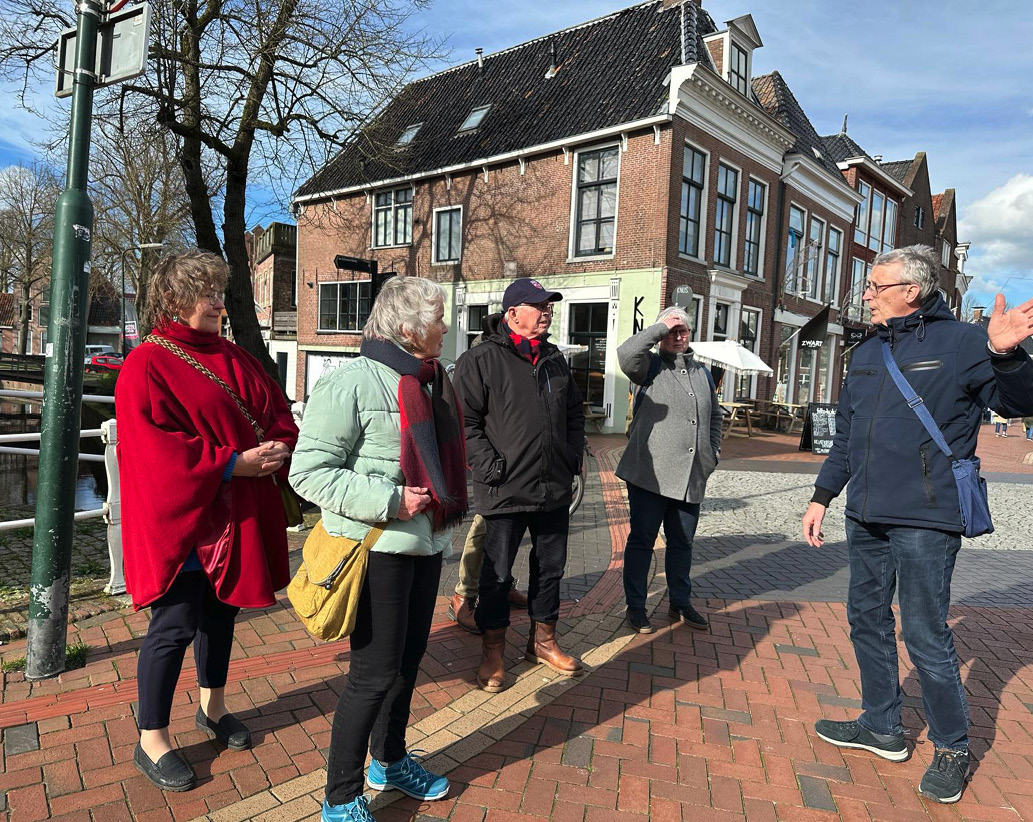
[(170, 773), (688, 615), (229, 730)]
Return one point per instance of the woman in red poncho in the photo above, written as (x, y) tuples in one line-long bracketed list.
[(203, 525)]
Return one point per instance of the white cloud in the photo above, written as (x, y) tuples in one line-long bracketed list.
[(1000, 226)]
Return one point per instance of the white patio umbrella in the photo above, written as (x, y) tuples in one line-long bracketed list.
[(729, 354)]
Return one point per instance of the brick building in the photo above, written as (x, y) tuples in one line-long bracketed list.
[(274, 281), (614, 161)]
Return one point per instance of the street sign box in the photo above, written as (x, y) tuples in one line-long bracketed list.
[(122, 41)]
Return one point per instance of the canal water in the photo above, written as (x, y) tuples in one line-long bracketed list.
[(19, 475)]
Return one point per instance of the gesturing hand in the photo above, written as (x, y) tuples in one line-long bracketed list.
[(414, 500), (262, 460), (812, 520), (1008, 328)]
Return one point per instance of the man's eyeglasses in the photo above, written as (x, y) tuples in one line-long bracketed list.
[(877, 289), (214, 297), (678, 331), (541, 308)]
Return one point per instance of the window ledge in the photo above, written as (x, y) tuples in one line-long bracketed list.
[(446, 262), (333, 331), (690, 258), (382, 247), (588, 258)]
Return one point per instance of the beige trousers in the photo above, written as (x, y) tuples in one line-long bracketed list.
[(472, 559)]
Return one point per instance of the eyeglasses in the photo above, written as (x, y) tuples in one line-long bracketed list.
[(541, 308), (678, 331), (877, 289), (214, 297)]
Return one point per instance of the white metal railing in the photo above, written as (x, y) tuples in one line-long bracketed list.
[(111, 511)]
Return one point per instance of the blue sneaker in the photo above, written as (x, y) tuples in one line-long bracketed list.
[(408, 776), (355, 811)]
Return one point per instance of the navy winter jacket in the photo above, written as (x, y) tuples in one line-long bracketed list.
[(897, 475)]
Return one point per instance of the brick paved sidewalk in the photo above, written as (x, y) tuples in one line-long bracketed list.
[(678, 725)]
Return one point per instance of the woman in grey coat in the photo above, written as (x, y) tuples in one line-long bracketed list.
[(673, 447)]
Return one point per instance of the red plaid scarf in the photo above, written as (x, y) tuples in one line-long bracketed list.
[(528, 348), (433, 444)]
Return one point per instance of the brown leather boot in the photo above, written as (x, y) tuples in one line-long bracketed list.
[(460, 609), (542, 647), (517, 599), (491, 673)]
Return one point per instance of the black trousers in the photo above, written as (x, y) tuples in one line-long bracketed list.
[(547, 561), (392, 626), (188, 612)]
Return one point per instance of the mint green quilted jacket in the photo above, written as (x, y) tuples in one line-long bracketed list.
[(347, 459)]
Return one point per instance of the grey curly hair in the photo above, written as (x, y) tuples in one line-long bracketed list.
[(180, 281), (404, 308)]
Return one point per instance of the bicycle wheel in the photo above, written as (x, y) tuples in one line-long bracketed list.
[(578, 492)]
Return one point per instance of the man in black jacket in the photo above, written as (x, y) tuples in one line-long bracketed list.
[(525, 432), (904, 521)]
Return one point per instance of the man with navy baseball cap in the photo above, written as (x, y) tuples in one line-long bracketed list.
[(525, 434)]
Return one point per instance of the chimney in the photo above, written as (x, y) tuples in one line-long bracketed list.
[(877, 158), (977, 313), (552, 61), (480, 60), (843, 130)]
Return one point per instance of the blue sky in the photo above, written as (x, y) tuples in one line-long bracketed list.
[(950, 78)]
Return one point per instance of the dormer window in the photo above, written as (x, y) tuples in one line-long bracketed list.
[(739, 69), (474, 118), (408, 135)]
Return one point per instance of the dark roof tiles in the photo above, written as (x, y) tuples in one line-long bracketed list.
[(841, 147), (776, 98), (897, 169), (610, 71), (8, 313)]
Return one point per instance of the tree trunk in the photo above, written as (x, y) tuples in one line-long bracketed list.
[(240, 298), (23, 316)]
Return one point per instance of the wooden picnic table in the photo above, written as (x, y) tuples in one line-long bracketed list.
[(733, 416)]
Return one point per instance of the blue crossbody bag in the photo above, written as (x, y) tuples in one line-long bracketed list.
[(975, 509)]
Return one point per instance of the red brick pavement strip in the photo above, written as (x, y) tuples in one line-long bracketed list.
[(678, 725)]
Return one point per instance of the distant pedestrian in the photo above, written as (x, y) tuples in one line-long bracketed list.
[(1027, 423), (903, 516), (203, 525), (382, 442), (525, 435), (674, 446), (1000, 425)]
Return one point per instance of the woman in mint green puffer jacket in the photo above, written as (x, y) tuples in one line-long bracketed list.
[(382, 442)]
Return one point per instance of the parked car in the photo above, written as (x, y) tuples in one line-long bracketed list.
[(94, 349), (104, 362)]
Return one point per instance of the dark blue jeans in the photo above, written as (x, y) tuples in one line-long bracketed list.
[(918, 562), (648, 511)]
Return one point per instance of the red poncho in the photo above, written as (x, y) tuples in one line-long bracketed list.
[(177, 430)]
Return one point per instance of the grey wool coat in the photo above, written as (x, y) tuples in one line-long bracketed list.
[(675, 438)]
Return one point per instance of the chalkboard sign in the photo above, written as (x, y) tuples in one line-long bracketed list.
[(819, 428)]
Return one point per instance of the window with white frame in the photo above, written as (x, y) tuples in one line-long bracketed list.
[(448, 235), (724, 214), (344, 306), (738, 70), (878, 210), (754, 228), (945, 254), (475, 315), (832, 255), (861, 223), (722, 312), (694, 313), (919, 217), (749, 338), (858, 279), (889, 234), (694, 167), (596, 202), (814, 258), (794, 248), (392, 217)]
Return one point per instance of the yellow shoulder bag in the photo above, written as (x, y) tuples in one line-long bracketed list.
[(325, 590)]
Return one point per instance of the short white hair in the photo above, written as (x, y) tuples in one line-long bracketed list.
[(405, 308), (674, 311)]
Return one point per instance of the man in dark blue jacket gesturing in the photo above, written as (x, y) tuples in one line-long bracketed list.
[(903, 518)]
